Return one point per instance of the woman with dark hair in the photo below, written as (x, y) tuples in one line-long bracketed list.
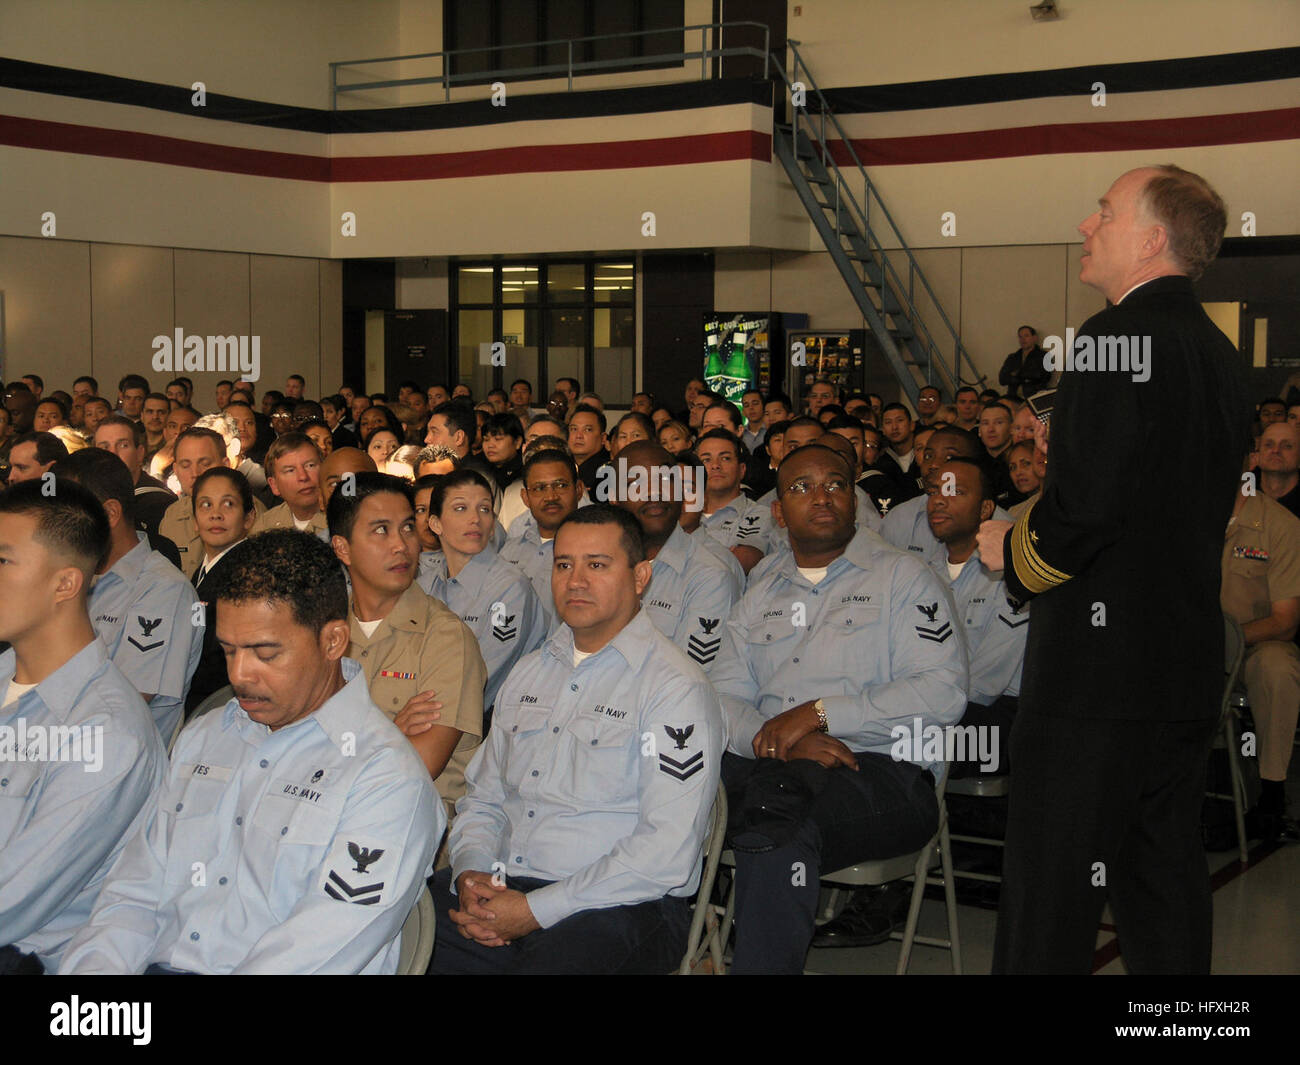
[(379, 444), (375, 417), (489, 594)]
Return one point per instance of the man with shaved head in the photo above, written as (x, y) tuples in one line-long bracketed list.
[(691, 590), (341, 462)]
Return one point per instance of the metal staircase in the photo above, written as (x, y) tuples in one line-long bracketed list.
[(918, 354)]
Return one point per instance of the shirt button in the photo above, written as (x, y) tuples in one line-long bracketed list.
[(594, 742), (573, 687), (222, 880), (531, 813), (4, 783), (556, 729), (239, 820), (284, 831), (519, 860), (263, 763), (796, 660), (514, 728), (178, 806), (194, 936), (768, 636), (534, 772)]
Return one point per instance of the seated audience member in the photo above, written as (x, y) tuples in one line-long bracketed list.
[(995, 435), (1023, 471), (34, 383), (418, 657), (175, 422), (829, 412), (1024, 371), (319, 434), (1271, 410), (436, 459), (814, 709), (430, 546), (223, 508), (1279, 464), (32, 455), (692, 591), (343, 462), (629, 429), (125, 439), (49, 413), (142, 606), (499, 399), (859, 407), (551, 493), (968, 406), (454, 425), (730, 517), (335, 411), (153, 417), (378, 417), (675, 438), (605, 884), (722, 415), (820, 394), (489, 594), (244, 420), (94, 411), (131, 392), (293, 472), (928, 401), (21, 405), (65, 816), (661, 416), (1022, 425), (899, 457), (751, 404), (379, 444), (591, 399), (310, 867), (1261, 589), (587, 442), (704, 399), (905, 526), (1039, 460), (503, 437), (197, 449), (878, 485), (643, 403)]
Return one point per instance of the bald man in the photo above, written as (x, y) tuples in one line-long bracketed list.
[(339, 463)]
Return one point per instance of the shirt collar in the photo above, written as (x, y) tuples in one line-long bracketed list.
[(336, 717), (632, 643), (130, 565), (859, 553), (61, 690), (676, 552), (409, 614)]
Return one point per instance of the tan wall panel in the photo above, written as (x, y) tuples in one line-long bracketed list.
[(286, 315), (810, 284), (265, 51), (46, 286), (132, 300), (331, 324), (742, 280), (878, 42), (1003, 288), (212, 294), (1081, 301)]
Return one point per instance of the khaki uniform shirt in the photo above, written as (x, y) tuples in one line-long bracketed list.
[(281, 517), (1261, 559), (423, 646)]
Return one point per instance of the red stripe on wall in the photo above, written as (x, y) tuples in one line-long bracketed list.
[(551, 158), (546, 158), (1077, 137), (151, 148)]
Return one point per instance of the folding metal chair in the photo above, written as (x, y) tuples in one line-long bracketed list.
[(417, 936), (1234, 701), (706, 916)]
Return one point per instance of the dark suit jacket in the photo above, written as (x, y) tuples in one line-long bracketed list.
[(1140, 481), (211, 671)]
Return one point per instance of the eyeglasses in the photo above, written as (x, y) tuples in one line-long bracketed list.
[(805, 488), (546, 487)]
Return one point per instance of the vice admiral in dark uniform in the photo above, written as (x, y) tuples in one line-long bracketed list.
[(1123, 669)]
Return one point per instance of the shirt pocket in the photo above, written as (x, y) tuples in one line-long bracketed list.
[(524, 725), (603, 760), (290, 838), (195, 814), (19, 791)]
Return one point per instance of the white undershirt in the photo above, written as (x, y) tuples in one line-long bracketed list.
[(580, 656), (302, 526), (904, 461), (16, 691), (954, 570), (368, 627), (813, 576)]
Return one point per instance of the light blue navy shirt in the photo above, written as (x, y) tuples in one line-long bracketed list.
[(743, 522), (995, 626), (535, 557), (498, 603), (907, 528), (865, 517), (874, 639), (691, 593), (295, 851), (599, 777), (148, 615), (67, 807)]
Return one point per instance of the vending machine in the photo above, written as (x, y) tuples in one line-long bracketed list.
[(738, 349), (836, 355)]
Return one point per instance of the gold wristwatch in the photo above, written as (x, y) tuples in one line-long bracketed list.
[(822, 724)]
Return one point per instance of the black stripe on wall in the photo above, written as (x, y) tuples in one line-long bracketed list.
[(1234, 68)]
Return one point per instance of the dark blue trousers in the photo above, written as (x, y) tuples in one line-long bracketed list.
[(885, 809), (648, 938)]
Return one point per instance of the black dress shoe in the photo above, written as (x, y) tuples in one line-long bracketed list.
[(1271, 827), (868, 919)]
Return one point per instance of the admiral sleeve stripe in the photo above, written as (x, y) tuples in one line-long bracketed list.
[(1036, 575)]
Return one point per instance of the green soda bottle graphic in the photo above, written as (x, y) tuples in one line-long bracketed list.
[(713, 367), (735, 375)]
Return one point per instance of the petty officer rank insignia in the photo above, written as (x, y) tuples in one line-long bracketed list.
[(147, 626), (1016, 619), (507, 630), (353, 873), (748, 527), (703, 649), (686, 765), (933, 632)]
